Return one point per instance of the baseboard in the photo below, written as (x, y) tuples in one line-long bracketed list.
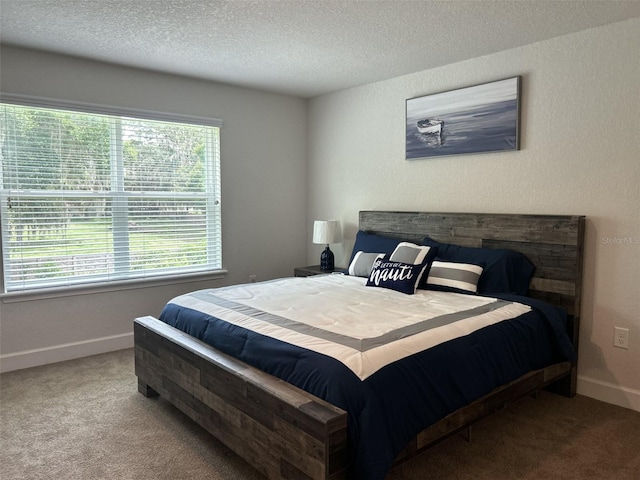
[(67, 351), (589, 387), (609, 392)]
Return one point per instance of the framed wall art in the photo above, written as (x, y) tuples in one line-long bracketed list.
[(482, 118)]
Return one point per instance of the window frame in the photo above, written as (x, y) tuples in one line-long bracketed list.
[(212, 178)]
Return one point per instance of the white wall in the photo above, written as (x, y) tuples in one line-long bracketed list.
[(580, 154), (263, 151)]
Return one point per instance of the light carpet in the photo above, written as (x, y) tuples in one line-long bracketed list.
[(84, 419)]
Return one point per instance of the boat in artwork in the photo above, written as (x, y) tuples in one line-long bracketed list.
[(430, 126)]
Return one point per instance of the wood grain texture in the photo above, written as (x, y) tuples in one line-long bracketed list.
[(286, 433), (553, 243), (283, 431)]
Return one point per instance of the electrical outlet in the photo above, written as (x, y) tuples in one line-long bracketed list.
[(252, 278), (621, 337)]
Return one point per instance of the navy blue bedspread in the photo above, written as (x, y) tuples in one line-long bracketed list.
[(386, 410)]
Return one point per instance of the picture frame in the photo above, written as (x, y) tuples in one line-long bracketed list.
[(477, 119)]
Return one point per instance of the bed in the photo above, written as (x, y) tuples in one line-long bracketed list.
[(305, 431)]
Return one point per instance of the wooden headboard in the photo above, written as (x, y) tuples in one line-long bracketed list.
[(553, 243)]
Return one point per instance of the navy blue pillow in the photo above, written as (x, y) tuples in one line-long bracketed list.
[(505, 271), (398, 276), (372, 243)]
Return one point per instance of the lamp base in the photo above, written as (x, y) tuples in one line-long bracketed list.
[(326, 260)]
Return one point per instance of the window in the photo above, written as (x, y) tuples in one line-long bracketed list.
[(93, 197)]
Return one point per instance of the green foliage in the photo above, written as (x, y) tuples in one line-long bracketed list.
[(161, 157), (75, 166), (88, 250)]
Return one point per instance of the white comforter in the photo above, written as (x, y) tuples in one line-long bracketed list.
[(363, 327)]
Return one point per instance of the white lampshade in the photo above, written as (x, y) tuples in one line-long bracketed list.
[(327, 231)]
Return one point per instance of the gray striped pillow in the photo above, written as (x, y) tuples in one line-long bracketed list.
[(407, 252), (362, 263), (458, 276)]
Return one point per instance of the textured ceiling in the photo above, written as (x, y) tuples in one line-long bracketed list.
[(298, 47)]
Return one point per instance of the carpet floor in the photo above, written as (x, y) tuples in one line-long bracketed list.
[(84, 419)]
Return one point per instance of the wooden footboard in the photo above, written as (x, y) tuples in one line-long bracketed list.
[(284, 432)]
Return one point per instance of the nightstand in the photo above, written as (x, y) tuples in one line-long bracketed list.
[(310, 271)]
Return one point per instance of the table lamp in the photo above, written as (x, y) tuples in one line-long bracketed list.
[(326, 232)]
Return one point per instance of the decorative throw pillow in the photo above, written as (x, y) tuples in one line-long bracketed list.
[(504, 271), (362, 263), (452, 276), (398, 276), (407, 252)]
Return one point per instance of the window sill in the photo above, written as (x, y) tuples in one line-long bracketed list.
[(96, 288)]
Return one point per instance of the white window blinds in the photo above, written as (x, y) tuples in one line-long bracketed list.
[(96, 198)]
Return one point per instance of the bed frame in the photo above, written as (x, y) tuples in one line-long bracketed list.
[(287, 433)]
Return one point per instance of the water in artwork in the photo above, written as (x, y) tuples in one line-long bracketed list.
[(484, 128)]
